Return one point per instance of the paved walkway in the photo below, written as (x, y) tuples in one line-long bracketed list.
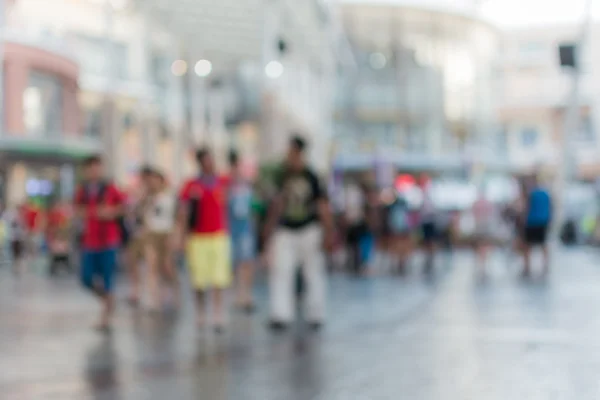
[(453, 336)]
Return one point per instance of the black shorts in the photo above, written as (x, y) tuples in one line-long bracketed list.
[(429, 232), (17, 247), (536, 235)]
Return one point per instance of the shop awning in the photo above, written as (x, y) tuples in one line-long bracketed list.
[(58, 148)]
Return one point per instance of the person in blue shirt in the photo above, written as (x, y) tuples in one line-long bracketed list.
[(242, 229), (538, 219)]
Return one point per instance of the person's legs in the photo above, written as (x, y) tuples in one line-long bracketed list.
[(545, 248), (88, 266), (133, 257), (481, 253), (18, 256), (311, 243), (108, 265), (197, 259), (428, 231), (220, 255), (404, 249), (168, 271), (527, 247), (152, 258), (243, 246), (281, 278)]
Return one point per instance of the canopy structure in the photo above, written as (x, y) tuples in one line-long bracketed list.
[(224, 31)]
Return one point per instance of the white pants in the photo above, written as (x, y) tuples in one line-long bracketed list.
[(293, 248)]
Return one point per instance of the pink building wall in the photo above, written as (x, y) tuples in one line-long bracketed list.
[(19, 61)]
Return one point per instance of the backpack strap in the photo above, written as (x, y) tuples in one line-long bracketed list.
[(102, 189)]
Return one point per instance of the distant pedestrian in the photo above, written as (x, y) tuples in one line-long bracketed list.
[(243, 236), (99, 204), (159, 223), (539, 213)]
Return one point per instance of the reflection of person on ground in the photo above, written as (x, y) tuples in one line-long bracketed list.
[(134, 243), (203, 225), (399, 230), (99, 204), (303, 224), (538, 219), (159, 223), (483, 211), (243, 238), (428, 225)]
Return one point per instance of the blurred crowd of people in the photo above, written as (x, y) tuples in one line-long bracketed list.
[(224, 230), (383, 229)]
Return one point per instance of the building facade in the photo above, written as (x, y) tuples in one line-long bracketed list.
[(422, 96), (535, 96)]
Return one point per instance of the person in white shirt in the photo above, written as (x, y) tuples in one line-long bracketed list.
[(159, 223)]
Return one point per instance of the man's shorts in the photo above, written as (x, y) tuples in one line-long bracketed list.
[(160, 243), (136, 249), (209, 260), (99, 265), (536, 235), (428, 232), (243, 245)]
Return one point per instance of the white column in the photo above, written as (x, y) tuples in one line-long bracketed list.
[(110, 131), (218, 134), (2, 34), (144, 112), (199, 104)]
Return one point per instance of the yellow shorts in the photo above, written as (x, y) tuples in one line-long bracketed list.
[(209, 260)]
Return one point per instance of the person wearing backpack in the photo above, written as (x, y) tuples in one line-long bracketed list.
[(204, 229), (99, 204)]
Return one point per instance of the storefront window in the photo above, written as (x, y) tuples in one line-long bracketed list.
[(42, 105)]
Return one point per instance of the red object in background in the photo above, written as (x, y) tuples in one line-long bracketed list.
[(58, 217), (404, 181), (31, 216), (424, 180)]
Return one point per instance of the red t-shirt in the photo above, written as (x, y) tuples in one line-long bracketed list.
[(210, 195), (99, 234), (31, 216)]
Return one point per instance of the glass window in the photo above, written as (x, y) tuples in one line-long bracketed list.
[(93, 122), (42, 105), (529, 136)]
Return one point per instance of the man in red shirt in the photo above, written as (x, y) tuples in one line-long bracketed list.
[(99, 204), (203, 221)]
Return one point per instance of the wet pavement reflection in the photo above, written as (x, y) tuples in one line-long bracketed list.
[(450, 336)]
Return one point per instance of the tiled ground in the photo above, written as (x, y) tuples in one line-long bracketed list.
[(453, 336)]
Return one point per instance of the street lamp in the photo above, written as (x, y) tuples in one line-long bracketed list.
[(274, 69), (203, 68), (179, 68)]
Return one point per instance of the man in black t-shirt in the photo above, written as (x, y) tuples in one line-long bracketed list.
[(302, 224)]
